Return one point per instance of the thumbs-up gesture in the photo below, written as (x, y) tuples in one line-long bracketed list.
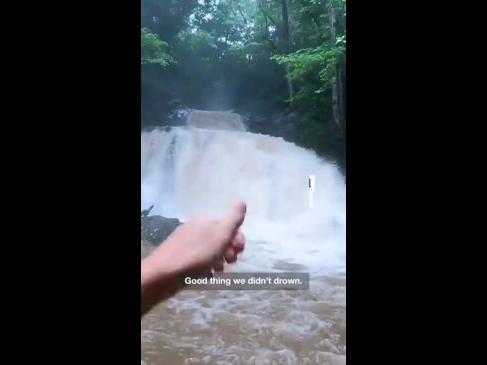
[(194, 248)]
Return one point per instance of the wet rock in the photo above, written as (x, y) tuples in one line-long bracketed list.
[(155, 229), (285, 125), (177, 117)]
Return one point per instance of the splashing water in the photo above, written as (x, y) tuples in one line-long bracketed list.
[(188, 171)]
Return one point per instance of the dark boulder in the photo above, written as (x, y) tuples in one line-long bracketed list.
[(155, 229), (286, 125)]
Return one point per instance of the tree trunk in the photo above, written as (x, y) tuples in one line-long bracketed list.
[(286, 43), (335, 92), (342, 97)]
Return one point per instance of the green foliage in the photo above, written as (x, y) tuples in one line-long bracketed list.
[(199, 41), (312, 69), (153, 49), (229, 54)]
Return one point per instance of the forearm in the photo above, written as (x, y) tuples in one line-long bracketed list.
[(158, 282), (194, 248)]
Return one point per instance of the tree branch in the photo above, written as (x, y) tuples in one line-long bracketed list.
[(242, 14), (267, 36), (267, 15)]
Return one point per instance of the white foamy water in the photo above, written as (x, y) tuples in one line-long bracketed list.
[(188, 171)]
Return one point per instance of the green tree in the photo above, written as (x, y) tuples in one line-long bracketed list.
[(258, 57), (154, 50)]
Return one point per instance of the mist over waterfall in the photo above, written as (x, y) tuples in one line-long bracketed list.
[(192, 170)]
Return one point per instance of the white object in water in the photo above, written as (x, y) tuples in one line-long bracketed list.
[(312, 189)]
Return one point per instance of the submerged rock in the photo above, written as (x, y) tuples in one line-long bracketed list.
[(155, 229)]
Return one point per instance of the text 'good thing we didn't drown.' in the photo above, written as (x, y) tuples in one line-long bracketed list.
[(250, 281)]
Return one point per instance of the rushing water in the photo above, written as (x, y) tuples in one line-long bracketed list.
[(187, 171)]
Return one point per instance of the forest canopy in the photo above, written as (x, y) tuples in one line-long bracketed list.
[(264, 59)]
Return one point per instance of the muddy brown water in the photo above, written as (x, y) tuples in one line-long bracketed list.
[(249, 327)]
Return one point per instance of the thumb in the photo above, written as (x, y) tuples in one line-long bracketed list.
[(235, 217)]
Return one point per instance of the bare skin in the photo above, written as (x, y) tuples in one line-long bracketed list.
[(193, 249)]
